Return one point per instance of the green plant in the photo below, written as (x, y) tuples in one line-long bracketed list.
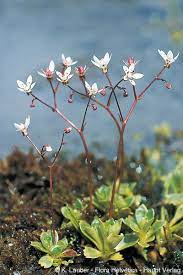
[(143, 223), (107, 239), (57, 253), (173, 183), (124, 199), (171, 230), (73, 213)]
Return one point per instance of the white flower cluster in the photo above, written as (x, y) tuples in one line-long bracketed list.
[(65, 75)]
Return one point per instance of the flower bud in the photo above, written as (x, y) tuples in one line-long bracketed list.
[(131, 60), (80, 70), (103, 92), (94, 107), (168, 85), (125, 94), (67, 130), (69, 100)]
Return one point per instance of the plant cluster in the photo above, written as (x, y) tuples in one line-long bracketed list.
[(119, 216)]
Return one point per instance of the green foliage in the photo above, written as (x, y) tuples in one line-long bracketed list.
[(73, 214), (173, 184), (163, 130), (57, 251), (143, 223), (124, 199), (106, 238), (172, 229)]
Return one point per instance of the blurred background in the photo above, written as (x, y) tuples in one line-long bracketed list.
[(34, 32)]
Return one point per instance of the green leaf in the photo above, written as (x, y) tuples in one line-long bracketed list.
[(175, 199), (91, 234), (72, 215), (113, 240), (113, 226), (46, 239), (46, 261), (39, 246), (178, 215), (157, 225), (127, 241), (116, 257), (131, 222), (140, 213), (90, 252), (55, 250), (63, 244)]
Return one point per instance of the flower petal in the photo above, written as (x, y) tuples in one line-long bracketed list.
[(63, 57), (67, 71), (42, 74), (163, 54), (95, 88), (125, 68), (21, 84), (131, 68), (18, 126), (52, 66), (170, 55), (29, 80), (27, 122), (137, 75), (88, 87), (96, 64), (175, 58), (132, 82)]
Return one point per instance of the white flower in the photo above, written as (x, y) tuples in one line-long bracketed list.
[(26, 87), (67, 61), (48, 148), (130, 74), (64, 76), (168, 58), (103, 62), (23, 127), (92, 90), (48, 73)]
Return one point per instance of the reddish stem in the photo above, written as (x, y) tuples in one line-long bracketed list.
[(90, 183)]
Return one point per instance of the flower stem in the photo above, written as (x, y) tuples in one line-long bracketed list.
[(109, 99), (100, 104), (84, 117), (113, 92), (118, 170), (90, 180), (54, 93)]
